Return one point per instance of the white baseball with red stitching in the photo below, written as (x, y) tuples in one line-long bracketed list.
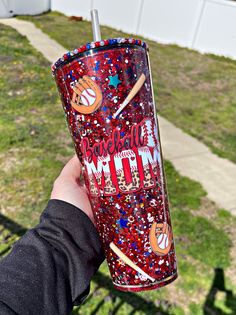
[(149, 133), (163, 240), (88, 97)]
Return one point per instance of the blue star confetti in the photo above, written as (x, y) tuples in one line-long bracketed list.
[(122, 223), (114, 80)]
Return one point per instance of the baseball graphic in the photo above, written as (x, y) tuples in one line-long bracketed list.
[(160, 237), (149, 133), (163, 240), (87, 96)]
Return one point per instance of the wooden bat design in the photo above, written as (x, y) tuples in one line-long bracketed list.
[(131, 94), (129, 262)]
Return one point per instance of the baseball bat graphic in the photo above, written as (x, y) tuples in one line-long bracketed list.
[(131, 94), (129, 262)]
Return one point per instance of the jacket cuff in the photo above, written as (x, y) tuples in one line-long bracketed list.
[(76, 229)]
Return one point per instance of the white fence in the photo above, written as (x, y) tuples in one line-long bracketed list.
[(204, 25), (9, 8)]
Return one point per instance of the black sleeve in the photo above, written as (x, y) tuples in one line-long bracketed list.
[(49, 269)]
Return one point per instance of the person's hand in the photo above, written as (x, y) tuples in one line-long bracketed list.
[(69, 188)]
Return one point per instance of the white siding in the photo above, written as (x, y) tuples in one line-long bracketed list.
[(205, 25)]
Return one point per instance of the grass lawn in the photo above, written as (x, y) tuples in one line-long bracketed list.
[(195, 92), (34, 145)]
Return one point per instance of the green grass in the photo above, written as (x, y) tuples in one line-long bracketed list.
[(34, 144), (195, 92), (32, 129)]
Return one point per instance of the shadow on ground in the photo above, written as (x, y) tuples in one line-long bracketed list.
[(218, 286), (137, 302), (10, 231)]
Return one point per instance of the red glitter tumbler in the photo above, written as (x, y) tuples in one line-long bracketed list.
[(106, 91)]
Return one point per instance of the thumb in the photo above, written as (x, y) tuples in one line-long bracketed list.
[(72, 168)]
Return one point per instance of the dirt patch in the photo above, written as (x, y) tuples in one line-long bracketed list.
[(64, 138), (62, 159), (177, 295), (208, 209), (20, 119), (9, 210), (10, 159), (6, 59)]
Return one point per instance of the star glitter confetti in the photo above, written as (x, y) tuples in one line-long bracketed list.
[(114, 80), (122, 223)]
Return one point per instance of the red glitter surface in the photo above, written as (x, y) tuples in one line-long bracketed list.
[(124, 218)]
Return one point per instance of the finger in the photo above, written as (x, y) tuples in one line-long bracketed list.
[(82, 83), (86, 83), (77, 88), (72, 169)]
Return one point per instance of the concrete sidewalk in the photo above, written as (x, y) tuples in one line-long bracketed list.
[(190, 157), (194, 159), (43, 43)]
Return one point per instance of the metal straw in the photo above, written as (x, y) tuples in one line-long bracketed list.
[(95, 25)]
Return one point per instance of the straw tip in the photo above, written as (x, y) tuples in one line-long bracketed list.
[(95, 25), (94, 12)]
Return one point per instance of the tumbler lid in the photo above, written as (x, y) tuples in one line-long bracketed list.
[(94, 45)]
